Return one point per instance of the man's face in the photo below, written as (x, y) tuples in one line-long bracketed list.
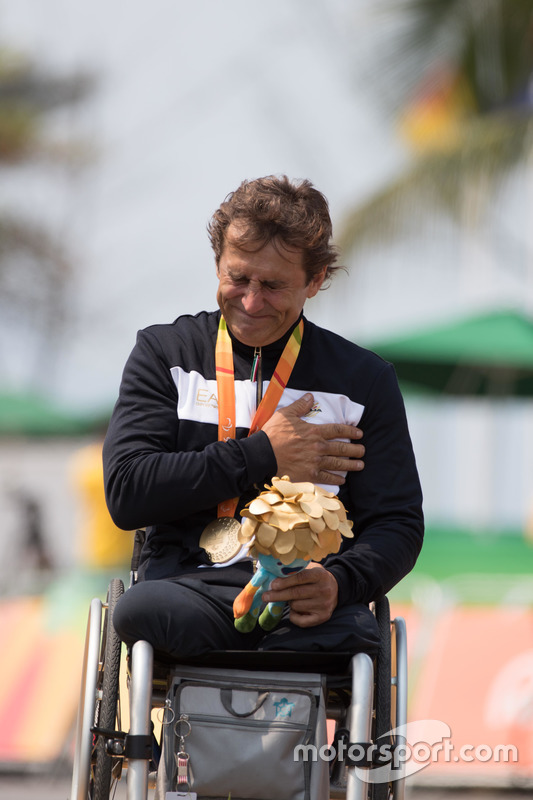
[(262, 293)]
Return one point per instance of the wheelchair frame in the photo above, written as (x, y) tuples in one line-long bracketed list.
[(378, 703)]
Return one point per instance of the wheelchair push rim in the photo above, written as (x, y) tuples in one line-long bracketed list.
[(93, 768)]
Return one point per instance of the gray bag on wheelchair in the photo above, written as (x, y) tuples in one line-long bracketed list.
[(231, 732)]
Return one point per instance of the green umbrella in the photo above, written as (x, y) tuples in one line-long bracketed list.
[(485, 354), (34, 415)]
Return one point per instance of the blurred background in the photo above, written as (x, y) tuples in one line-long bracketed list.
[(122, 128)]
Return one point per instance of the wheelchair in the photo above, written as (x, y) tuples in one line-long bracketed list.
[(365, 698)]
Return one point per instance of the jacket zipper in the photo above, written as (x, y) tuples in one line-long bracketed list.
[(257, 374)]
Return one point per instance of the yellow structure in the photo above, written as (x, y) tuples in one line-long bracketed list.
[(101, 544)]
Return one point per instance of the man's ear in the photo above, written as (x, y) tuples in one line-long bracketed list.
[(316, 282)]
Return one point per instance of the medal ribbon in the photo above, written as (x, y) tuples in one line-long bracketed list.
[(226, 391)]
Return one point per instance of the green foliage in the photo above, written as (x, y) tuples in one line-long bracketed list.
[(27, 93), (445, 180), (475, 58), (17, 119), (487, 42), (34, 266)]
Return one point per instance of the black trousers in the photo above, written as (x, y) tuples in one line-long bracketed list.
[(193, 614)]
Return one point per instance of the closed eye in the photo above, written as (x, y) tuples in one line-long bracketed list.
[(237, 281), (270, 286)]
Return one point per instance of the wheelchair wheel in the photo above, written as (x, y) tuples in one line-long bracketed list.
[(104, 767), (383, 690)]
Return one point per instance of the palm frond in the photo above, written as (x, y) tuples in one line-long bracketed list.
[(487, 42), (457, 75), (483, 151)]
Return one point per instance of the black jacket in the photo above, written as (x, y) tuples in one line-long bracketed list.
[(165, 470)]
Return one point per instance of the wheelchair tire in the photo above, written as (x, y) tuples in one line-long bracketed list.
[(382, 721), (105, 767)]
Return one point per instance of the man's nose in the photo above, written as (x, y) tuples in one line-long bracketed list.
[(252, 299)]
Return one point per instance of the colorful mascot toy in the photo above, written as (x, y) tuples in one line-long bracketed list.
[(286, 527)]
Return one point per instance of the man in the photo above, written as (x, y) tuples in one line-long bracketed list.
[(185, 450)]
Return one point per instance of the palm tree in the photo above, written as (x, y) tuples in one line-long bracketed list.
[(34, 265), (458, 77)]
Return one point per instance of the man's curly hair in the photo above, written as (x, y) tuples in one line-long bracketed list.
[(275, 210)]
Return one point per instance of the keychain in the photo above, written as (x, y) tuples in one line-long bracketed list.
[(167, 716), (182, 730), (182, 757)]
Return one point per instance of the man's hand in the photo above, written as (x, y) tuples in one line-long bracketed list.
[(308, 452), (311, 593)]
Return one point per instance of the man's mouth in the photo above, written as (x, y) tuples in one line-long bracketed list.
[(253, 317)]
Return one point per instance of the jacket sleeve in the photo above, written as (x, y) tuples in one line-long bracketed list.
[(385, 501), (147, 479)]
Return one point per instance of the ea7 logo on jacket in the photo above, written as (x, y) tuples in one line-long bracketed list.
[(315, 409), (206, 398)]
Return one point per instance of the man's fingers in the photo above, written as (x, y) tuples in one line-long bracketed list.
[(294, 585), (330, 478), (331, 430), (344, 449), (336, 430), (305, 620), (300, 407), (335, 464), (311, 593)]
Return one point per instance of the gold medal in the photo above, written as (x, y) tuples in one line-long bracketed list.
[(220, 539)]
